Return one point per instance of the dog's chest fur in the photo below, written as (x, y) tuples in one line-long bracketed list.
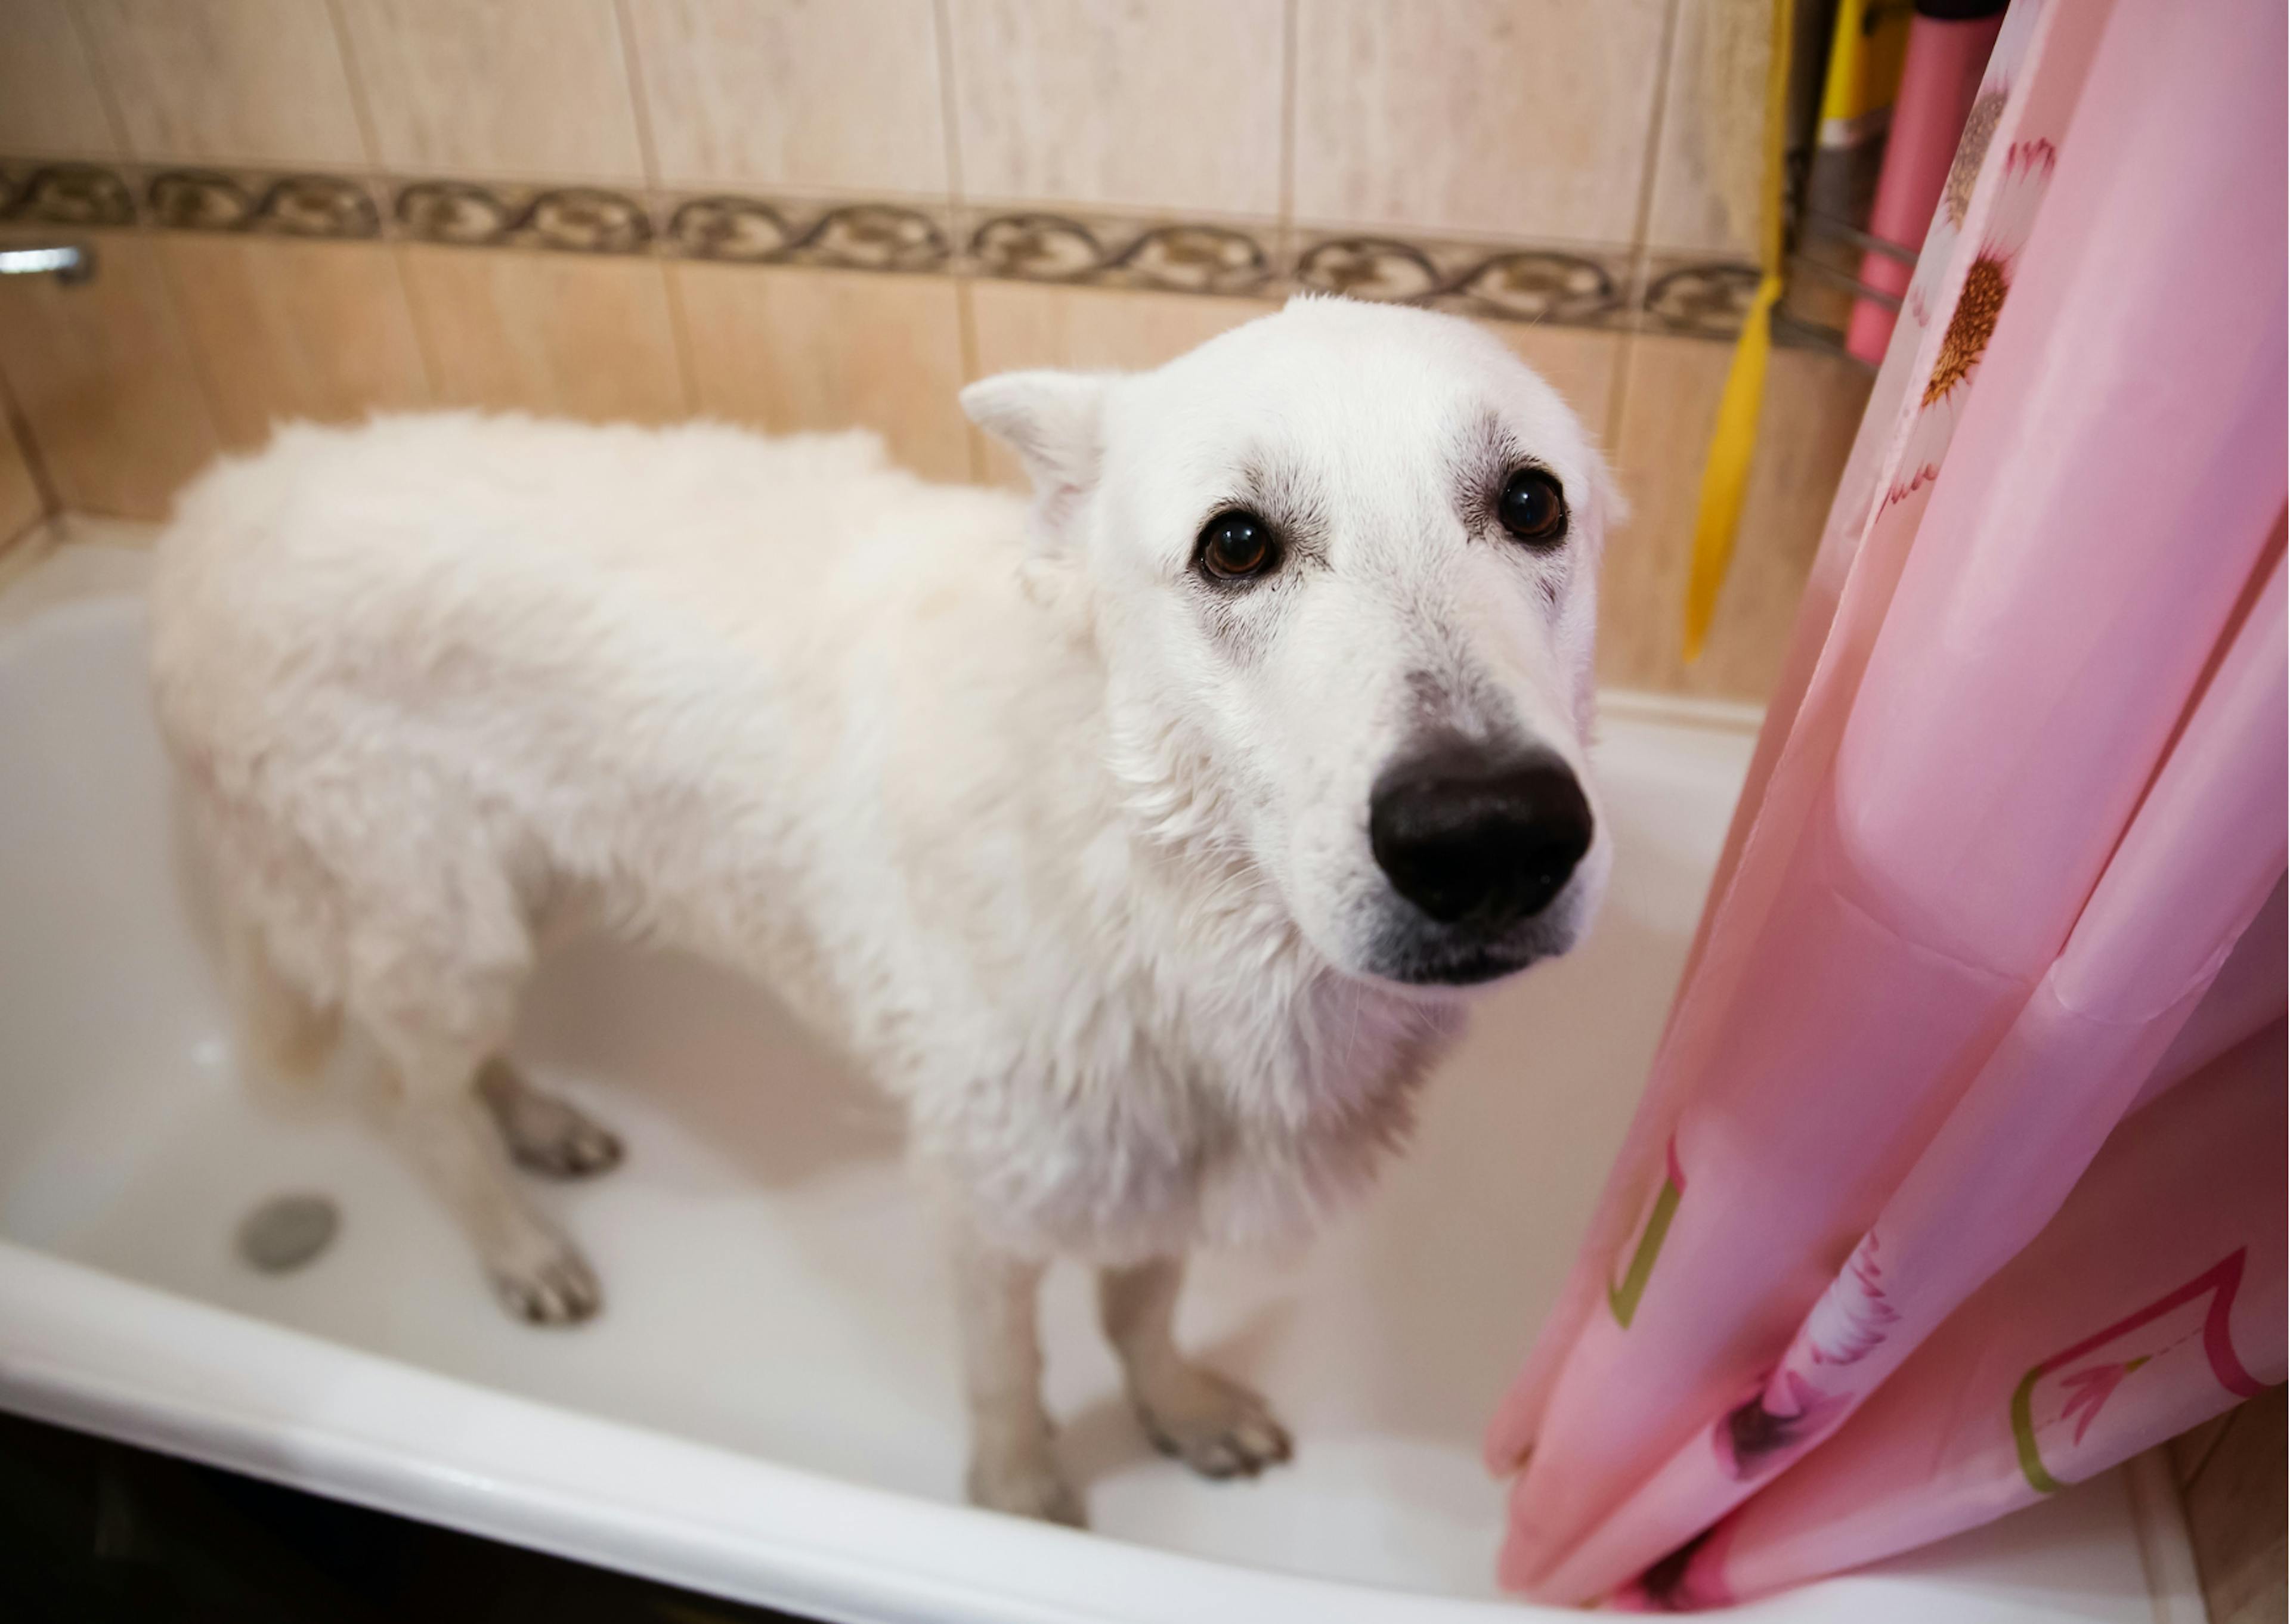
[(1107, 1030), (1192, 1074)]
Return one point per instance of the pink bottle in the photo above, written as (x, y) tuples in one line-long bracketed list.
[(1948, 42)]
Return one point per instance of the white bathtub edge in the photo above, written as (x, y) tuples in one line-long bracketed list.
[(85, 1350)]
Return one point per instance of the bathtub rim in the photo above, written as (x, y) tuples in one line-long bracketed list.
[(99, 1354)]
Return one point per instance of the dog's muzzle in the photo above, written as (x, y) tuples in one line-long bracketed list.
[(1479, 844)]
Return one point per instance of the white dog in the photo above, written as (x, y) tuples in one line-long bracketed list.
[(1141, 843)]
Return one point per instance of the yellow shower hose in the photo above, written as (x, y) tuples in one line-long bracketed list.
[(1725, 476)]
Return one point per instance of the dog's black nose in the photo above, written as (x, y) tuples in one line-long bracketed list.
[(1473, 837)]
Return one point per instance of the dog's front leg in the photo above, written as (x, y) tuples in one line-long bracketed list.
[(1214, 1425), (1012, 1466)]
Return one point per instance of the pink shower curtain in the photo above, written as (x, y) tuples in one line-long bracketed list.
[(1960, 1173)]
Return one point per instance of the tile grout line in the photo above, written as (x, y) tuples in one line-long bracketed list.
[(18, 422), (361, 111), (2165, 1541), (2210, 1448), (423, 343), (29, 547), (170, 286), (170, 289), (966, 316), (18, 425), (351, 76), (1665, 64), (1287, 203), (965, 328), (1618, 394), (942, 33), (639, 104), (83, 31), (680, 327), (679, 333)]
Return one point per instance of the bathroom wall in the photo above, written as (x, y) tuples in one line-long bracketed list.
[(2230, 1477), (797, 214), (21, 502)]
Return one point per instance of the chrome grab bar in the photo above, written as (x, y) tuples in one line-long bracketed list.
[(67, 262)]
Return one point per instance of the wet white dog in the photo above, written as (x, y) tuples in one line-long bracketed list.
[(1140, 843)]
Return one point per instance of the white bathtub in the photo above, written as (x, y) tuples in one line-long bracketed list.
[(767, 1409)]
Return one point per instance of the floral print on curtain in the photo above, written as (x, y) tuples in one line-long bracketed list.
[(2023, 175)]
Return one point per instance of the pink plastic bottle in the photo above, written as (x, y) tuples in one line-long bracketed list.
[(1948, 42)]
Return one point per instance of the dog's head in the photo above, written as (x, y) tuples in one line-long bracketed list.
[(1343, 560)]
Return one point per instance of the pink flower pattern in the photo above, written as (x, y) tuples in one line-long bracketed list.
[(1854, 1315), (2025, 175)]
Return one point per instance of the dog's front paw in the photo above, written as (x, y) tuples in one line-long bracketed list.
[(1026, 1486), (570, 1147), (548, 1284), (546, 1135), (1217, 1427)]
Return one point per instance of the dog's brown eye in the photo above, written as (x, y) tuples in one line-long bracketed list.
[(1533, 508), (1236, 546)]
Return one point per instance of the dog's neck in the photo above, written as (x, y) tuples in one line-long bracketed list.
[(1345, 1039), (1307, 1074)]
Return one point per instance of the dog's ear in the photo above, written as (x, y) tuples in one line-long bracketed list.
[(1053, 420)]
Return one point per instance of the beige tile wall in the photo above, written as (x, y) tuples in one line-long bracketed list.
[(1584, 365), (287, 330), (226, 81), (1176, 104), (1667, 411), (1708, 158), (1527, 118), (1627, 123), (49, 102), (787, 350), (834, 99), (2230, 1478), (21, 505), (105, 377), (526, 89), (542, 333)]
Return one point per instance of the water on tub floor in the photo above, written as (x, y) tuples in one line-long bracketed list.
[(771, 1284)]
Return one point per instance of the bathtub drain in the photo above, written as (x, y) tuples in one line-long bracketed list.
[(287, 1231)]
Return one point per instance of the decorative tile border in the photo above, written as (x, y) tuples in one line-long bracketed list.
[(884, 237), (286, 205), (1108, 250), (67, 194), (1564, 286), (1708, 299)]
